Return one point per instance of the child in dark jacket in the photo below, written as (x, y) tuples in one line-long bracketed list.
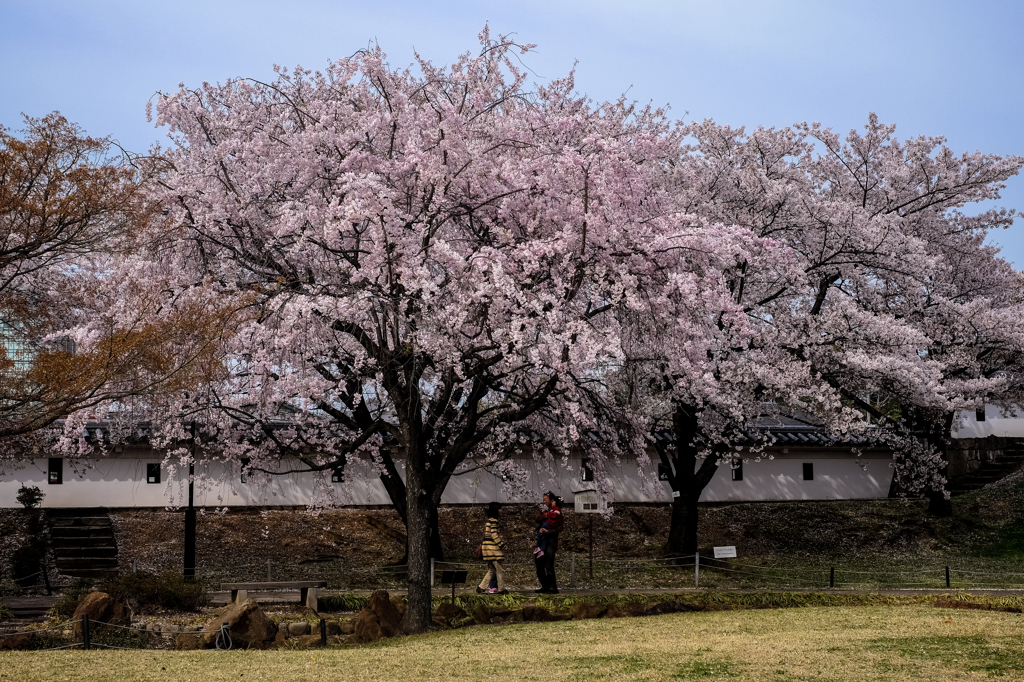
[(552, 521)]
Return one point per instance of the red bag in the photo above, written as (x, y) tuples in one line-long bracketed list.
[(480, 552)]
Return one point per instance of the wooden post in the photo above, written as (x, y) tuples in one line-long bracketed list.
[(572, 571), (268, 570), (696, 569), (431, 573), (323, 632), (947, 576), (831, 577)]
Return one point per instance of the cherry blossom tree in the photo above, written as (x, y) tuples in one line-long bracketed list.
[(871, 231), (430, 268)]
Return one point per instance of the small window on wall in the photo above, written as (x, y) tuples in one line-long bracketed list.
[(737, 470), (245, 465), (664, 472), (979, 414), (55, 472), (153, 472), (586, 473), (338, 476), (808, 472)]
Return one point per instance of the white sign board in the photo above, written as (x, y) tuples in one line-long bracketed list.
[(725, 552), (589, 502)]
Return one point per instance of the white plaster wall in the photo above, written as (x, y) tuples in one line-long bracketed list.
[(1001, 422), (120, 482), (782, 479)]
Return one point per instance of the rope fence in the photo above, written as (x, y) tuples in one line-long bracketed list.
[(576, 570), (685, 571)]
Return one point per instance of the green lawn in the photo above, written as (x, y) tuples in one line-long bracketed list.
[(850, 643)]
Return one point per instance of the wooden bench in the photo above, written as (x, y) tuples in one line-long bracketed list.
[(307, 589)]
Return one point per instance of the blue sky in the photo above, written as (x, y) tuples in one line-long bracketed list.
[(934, 68)]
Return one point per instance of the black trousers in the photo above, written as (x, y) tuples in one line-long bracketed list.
[(546, 565)]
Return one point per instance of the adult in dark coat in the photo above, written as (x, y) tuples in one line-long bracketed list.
[(546, 564)]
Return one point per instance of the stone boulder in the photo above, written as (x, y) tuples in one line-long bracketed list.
[(101, 608), (379, 618), (447, 612), (498, 611), (20, 641), (584, 610), (249, 626), (308, 642), (482, 615), (298, 629), (333, 628), (629, 609), (187, 642), (399, 602), (536, 614), (662, 608), (347, 627)]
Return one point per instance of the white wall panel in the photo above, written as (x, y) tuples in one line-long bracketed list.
[(121, 482)]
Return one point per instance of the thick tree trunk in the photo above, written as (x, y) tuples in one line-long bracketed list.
[(682, 533), (686, 479), (418, 527), (396, 490)]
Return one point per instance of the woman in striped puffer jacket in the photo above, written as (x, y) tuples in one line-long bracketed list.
[(493, 553)]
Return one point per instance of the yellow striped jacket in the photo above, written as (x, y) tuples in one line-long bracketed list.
[(493, 544)]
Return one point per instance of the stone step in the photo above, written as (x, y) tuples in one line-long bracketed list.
[(89, 544), (989, 472), (86, 562), (89, 573), (83, 542), (80, 521), (85, 538), (22, 621), (82, 528), (84, 552), (88, 538)]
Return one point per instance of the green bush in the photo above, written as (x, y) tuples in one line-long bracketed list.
[(333, 603), (30, 497), (27, 563), (147, 592)]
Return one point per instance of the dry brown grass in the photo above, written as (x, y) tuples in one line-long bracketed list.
[(848, 644)]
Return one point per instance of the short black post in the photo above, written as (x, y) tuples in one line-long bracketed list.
[(453, 593), (947, 576), (85, 631), (832, 578), (323, 632)]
